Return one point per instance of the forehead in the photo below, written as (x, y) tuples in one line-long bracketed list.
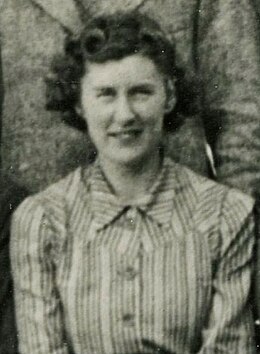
[(130, 70)]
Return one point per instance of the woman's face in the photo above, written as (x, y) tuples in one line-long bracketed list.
[(124, 102)]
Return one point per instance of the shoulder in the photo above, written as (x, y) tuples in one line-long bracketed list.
[(54, 203), (210, 199), (202, 185), (41, 222), (221, 215)]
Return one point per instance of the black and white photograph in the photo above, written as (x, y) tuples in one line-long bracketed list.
[(129, 176)]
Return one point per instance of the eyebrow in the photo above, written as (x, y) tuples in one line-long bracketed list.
[(144, 85)]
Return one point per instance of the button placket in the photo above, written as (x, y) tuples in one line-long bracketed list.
[(128, 271), (129, 275)]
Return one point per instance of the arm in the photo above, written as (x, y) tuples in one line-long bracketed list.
[(38, 308), (228, 64), (230, 325), (10, 196)]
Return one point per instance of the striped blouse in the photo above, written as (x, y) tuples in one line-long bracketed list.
[(169, 274)]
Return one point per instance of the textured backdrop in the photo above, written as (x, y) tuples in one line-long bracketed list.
[(38, 149)]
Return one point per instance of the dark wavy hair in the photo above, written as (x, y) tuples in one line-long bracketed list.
[(113, 37)]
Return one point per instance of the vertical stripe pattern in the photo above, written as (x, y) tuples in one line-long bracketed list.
[(171, 271)]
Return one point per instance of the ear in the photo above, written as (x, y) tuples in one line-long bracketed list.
[(171, 96)]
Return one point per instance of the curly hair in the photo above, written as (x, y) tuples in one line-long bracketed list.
[(113, 37)]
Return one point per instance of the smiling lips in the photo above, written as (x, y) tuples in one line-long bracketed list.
[(126, 134)]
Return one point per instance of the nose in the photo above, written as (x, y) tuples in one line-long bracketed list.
[(124, 112)]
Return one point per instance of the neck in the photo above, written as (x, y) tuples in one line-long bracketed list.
[(130, 182)]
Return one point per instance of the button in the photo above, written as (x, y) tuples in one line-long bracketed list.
[(131, 218), (130, 273), (128, 319), (130, 223)]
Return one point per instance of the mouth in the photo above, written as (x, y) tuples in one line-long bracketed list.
[(125, 133)]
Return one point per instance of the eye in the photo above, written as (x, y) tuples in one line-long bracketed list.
[(142, 91), (106, 92)]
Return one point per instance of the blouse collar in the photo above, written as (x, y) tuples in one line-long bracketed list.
[(157, 204)]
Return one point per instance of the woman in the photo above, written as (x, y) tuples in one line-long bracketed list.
[(134, 254)]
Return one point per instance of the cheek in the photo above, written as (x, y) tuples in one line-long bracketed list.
[(152, 111), (94, 114)]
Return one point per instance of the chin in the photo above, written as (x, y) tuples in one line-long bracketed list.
[(132, 160)]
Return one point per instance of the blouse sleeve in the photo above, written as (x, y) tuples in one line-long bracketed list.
[(230, 325), (38, 307)]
